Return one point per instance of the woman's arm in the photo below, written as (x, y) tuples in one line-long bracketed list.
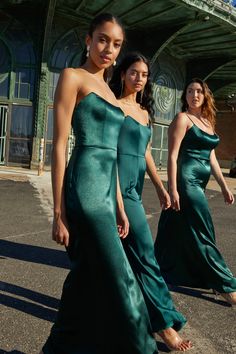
[(176, 133), (122, 220), (216, 171), (64, 103), (152, 172)]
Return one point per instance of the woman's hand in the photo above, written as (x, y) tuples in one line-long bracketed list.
[(228, 196), (174, 197), (60, 232), (122, 223), (164, 198)]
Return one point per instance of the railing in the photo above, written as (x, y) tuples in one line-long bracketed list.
[(225, 4), (225, 9)]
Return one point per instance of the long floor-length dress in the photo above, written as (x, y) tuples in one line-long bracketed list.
[(185, 245), (139, 245), (102, 310)]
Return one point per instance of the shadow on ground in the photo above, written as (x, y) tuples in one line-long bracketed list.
[(34, 254), (201, 294), (34, 303)]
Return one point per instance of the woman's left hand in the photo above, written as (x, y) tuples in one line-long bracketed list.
[(164, 198), (228, 196), (122, 223)]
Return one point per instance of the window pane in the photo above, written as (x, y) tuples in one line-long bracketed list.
[(4, 70), (164, 157), (24, 85), (22, 122), (66, 51), (54, 76), (49, 134), (4, 87), (22, 44), (156, 136), (48, 154), (156, 156), (20, 151), (165, 138)]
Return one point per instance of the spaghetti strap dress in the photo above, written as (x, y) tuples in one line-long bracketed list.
[(139, 244), (102, 310), (185, 246)]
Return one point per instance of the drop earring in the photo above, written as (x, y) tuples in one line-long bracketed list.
[(114, 63), (88, 49)]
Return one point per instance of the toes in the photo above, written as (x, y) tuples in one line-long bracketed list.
[(185, 345)]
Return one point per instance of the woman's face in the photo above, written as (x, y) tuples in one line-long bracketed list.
[(135, 78), (194, 95), (105, 44)]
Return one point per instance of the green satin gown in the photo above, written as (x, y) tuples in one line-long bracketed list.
[(102, 310), (138, 245), (185, 245)]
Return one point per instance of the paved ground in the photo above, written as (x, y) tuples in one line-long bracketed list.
[(33, 268)]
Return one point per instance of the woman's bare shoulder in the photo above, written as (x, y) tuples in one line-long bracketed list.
[(180, 119), (75, 75)]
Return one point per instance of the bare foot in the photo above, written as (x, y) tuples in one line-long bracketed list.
[(173, 341), (229, 297)]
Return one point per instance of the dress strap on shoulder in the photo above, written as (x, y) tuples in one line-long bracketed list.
[(189, 118)]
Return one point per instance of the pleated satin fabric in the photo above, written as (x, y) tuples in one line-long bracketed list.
[(185, 245), (102, 310)]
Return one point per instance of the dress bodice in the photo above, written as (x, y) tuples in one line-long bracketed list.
[(133, 138), (198, 144), (132, 145), (96, 122)]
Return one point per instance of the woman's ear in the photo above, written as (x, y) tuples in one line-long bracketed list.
[(88, 40)]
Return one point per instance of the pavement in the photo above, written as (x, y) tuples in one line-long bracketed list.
[(33, 267)]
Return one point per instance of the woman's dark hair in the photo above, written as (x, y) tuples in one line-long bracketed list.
[(208, 106), (145, 99), (96, 22)]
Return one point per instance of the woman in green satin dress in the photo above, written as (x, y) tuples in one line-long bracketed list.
[(102, 310), (185, 245), (131, 84)]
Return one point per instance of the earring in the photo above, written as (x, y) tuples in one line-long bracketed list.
[(114, 63), (88, 49)]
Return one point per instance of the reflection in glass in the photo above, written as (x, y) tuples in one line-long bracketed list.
[(20, 151), (21, 122)]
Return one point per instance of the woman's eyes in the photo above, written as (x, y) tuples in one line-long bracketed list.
[(198, 91), (135, 73), (105, 40)]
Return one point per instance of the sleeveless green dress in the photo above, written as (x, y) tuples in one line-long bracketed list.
[(102, 310), (185, 245), (138, 245)]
